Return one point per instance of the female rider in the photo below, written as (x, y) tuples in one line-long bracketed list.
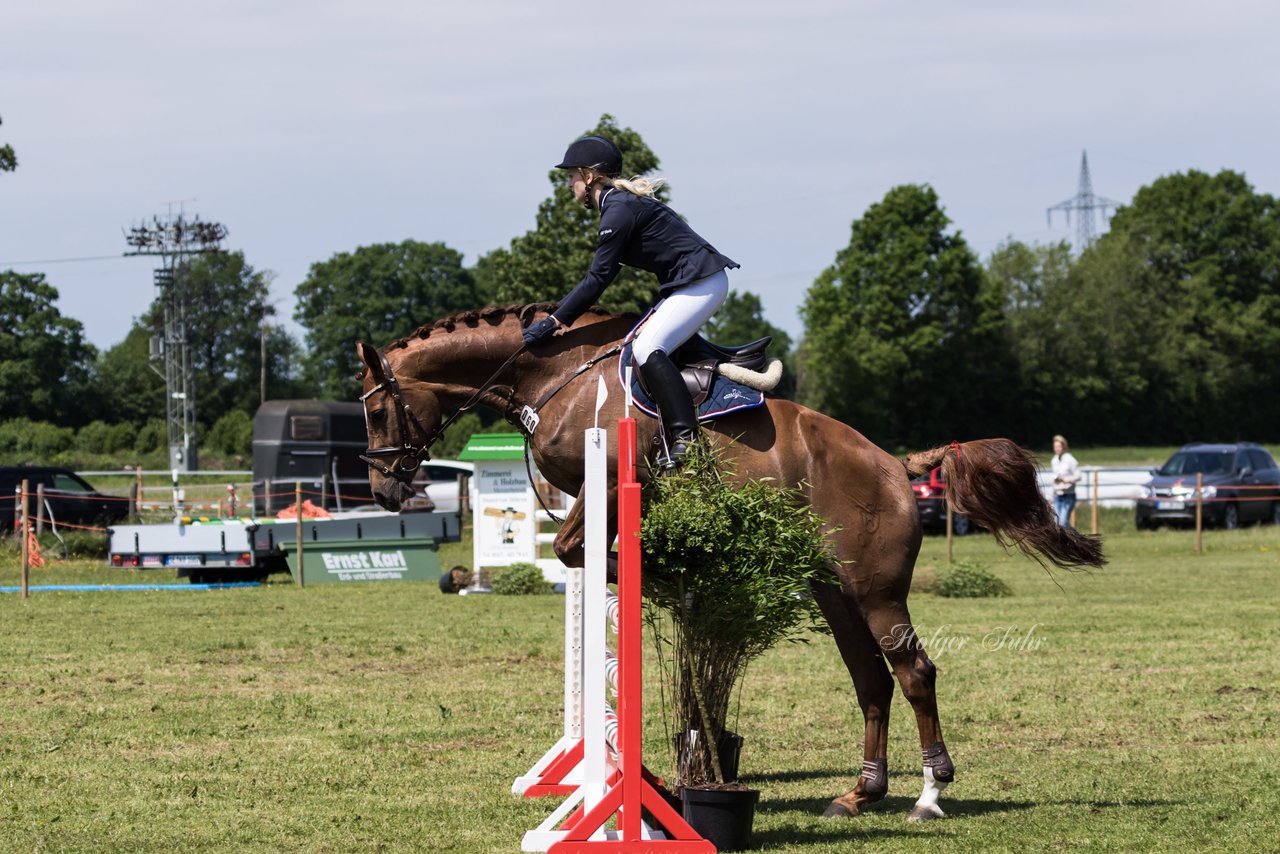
[(638, 230)]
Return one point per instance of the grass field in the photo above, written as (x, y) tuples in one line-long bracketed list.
[(1130, 709)]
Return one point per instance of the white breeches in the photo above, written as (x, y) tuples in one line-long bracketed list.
[(679, 315)]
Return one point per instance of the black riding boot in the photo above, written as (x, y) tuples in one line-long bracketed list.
[(664, 382)]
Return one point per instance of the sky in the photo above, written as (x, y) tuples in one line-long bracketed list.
[(312, 128)]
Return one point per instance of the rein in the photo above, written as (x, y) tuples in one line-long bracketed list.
[(529, 418), (529, 415), (409, 456)]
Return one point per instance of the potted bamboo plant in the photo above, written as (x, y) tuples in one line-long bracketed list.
[(728, 568)]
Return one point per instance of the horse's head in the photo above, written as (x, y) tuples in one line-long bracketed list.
[(401, 422)]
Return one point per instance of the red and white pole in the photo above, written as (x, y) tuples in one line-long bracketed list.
[(630, 791)]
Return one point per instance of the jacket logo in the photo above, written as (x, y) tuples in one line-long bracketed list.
[(605, 232)]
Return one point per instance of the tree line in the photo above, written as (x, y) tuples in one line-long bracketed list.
[(1166, 329)]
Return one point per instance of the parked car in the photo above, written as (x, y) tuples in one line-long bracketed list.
[(438, 483), (1240, 482), (930, 490), (69, 497)]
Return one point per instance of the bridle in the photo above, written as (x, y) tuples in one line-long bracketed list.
[(408, 454)]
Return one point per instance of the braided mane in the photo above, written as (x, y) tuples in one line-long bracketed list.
[(472, 318), (490, 314)]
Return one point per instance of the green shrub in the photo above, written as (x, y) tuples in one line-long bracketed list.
[(521, 579), (729, 565), (49, 439), (10, 433), (80, 544), (22, 440), (120, 437), (152, 437), (84, 545), (98, 437), (232, 434), (971, 580)]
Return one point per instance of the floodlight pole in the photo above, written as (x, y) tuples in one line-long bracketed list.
[(172, 239)]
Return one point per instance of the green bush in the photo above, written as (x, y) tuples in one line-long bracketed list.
[(10, 431), (152, 437), (80, 544), (98, 437), (231, 435), (121, 437), (521, 579), (971, 580), (729, 565), (22, 440)]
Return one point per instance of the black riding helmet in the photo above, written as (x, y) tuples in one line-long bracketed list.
[(593, 152)]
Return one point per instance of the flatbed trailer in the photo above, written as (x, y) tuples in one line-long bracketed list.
[(347, 547)]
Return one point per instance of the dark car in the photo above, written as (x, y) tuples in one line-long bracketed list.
[(930, 490), (69, 498), (1240, 483)]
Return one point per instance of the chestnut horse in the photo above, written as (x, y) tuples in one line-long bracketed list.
[(478, 358)]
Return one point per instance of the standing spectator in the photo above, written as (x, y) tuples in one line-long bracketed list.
[(1066, 474)]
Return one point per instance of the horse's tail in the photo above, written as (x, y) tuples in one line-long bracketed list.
[(993, 482)]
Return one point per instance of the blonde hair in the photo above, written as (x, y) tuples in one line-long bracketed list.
[(639, 186), (1063, 440), (636, 185)]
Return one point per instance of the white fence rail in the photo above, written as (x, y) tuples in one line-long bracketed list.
[(1118, 486)]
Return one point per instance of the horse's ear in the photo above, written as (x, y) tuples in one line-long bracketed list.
[(369, 357)]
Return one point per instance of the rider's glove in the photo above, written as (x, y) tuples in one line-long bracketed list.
[(538, 332)]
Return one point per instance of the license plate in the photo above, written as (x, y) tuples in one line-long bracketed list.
[(183, 560), (1171, 505)]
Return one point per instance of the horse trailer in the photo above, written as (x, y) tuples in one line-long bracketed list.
[(315, 442)]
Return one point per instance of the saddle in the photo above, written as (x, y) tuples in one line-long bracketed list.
[(699, 361)]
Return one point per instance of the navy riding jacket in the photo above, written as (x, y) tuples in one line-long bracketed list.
[(640, 231)]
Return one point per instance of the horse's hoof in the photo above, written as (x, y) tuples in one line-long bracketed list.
[(925, 813), (838, 810)]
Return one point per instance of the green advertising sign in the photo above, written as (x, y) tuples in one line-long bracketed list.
[(337, 561)]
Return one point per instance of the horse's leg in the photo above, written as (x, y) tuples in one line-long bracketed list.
[(891, 624), (874, 687), (570, 542)]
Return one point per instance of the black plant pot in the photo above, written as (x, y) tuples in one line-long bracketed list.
[(721, 816), (728, 750)]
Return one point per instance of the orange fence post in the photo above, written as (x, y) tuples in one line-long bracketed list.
[(26, 537)]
